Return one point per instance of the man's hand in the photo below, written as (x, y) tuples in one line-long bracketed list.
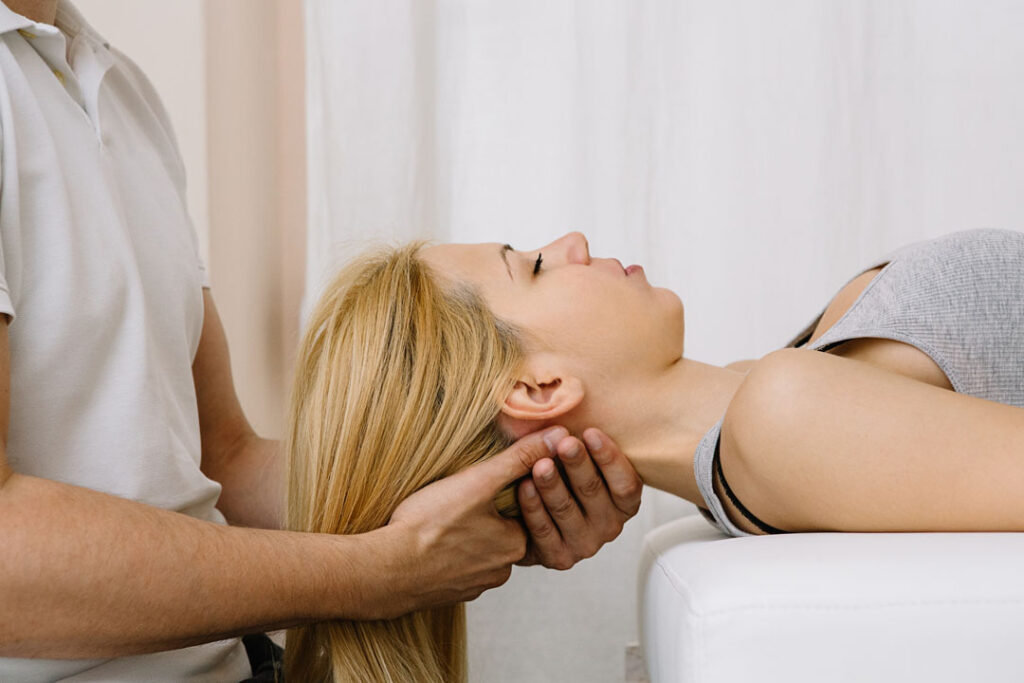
[(446, 542), (568, 527)]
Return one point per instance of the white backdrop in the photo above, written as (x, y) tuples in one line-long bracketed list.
[(750, 155)]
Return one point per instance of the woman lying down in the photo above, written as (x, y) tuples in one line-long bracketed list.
[(421, 360)]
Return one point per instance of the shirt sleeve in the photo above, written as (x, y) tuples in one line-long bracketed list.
[(6, 305), (204, 275)]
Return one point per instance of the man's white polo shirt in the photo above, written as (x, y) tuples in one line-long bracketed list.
[(100, 278)]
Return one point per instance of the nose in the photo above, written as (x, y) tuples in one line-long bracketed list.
[(572, 247)]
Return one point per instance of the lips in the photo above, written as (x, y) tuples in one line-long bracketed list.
[(627, 271)]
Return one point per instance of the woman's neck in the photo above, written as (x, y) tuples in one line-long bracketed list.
[(42, 11), (667, 418)]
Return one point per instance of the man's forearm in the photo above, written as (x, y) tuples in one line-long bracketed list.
[(86, 575), (252, 481)]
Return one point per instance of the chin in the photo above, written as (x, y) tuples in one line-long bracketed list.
[(673, 305)]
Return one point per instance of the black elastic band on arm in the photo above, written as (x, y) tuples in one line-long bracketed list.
[(767, 528)]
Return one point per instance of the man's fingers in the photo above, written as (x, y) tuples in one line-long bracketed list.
[(516, 461), (498, 577), (517, 541), (577, 534), (624, 484), (587, 483), (548, 547), (484, 583)]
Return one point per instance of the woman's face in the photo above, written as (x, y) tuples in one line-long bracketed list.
[(588, 318)]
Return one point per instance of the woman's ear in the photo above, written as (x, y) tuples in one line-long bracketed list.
[(540, 396)]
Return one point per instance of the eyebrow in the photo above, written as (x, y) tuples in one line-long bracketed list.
[(505, 248)]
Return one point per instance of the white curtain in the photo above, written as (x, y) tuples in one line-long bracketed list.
[(750, 155)]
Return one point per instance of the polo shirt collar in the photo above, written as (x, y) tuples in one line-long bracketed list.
[(11, 21), (73, 23), (68, 17)]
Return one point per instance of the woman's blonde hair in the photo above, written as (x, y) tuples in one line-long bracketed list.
[(398, 383)]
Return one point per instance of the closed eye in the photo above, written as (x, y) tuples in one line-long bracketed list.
[(536, 266)]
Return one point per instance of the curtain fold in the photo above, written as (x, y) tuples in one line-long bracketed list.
[(752, 156)]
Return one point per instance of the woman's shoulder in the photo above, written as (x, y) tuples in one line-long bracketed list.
[(815, 436), (775, 384)]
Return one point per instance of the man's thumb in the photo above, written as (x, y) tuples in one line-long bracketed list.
[(518, 460)]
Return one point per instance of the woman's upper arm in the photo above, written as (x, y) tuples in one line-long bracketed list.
[(831, 443)]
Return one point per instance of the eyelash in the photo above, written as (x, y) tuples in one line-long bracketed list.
[(536, 266)]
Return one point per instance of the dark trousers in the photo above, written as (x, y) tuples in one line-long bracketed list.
[(266, 658)]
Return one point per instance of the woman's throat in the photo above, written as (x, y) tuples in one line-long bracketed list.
[(661, 428)]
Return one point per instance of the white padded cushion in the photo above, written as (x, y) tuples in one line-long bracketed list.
[(815, 607)]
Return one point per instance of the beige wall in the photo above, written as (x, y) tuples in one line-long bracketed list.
[(236, 98), (256, 136)]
